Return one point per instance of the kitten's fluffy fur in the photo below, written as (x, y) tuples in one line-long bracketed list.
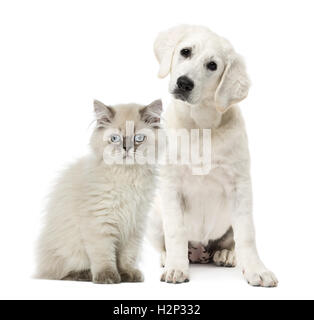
[(96, 214)]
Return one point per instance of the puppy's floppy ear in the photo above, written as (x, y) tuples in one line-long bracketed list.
[(152, 113), (104, 114), (234, 84), (165, 45)]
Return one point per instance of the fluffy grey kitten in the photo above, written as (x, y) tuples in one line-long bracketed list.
[(96, 215)]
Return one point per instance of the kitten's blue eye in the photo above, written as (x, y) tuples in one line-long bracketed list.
[(115, 138), (139, 138)]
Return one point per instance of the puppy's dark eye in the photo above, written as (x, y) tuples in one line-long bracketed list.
[(212, 66), (186, 52)]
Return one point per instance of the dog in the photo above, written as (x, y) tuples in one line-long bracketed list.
[(206, 218)]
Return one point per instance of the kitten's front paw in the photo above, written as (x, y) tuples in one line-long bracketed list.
[(175, 276), (84, 275), (107, 276), (131, 275)]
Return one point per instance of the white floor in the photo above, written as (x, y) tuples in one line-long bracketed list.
[(207, 282)]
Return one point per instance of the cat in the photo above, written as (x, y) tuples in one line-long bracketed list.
[(96, 215)]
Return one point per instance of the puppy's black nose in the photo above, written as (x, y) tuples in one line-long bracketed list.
[(185, 84)]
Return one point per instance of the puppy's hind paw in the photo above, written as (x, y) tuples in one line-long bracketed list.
[(225, 258)]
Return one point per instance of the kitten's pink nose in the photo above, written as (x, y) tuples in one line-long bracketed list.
[(127, 143)]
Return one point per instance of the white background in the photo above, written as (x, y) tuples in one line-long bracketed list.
[(57, 56)]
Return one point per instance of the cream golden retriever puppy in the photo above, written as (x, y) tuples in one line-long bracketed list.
[(204, 218)]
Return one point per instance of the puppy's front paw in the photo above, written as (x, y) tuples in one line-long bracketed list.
[(107, 276), (131, 275), (260, 278), (175, 276)]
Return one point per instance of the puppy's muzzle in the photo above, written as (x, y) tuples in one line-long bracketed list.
[(184, 87)]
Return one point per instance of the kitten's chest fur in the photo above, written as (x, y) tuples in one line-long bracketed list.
[(120, 197)]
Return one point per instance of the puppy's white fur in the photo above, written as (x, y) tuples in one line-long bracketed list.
[(223, 198)]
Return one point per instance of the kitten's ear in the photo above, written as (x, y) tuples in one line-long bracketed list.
[(152, 113), (104, 114)]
